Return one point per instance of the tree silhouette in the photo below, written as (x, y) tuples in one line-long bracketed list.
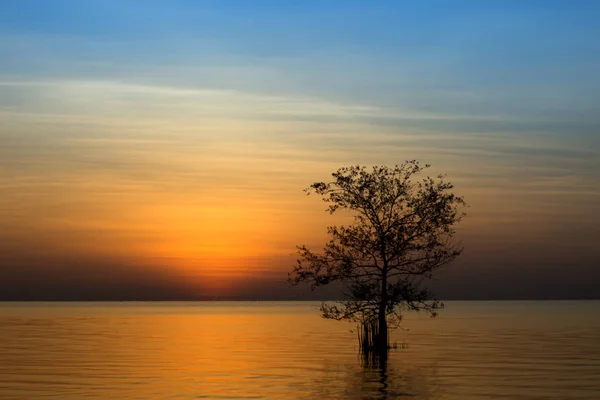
[(402, 232)]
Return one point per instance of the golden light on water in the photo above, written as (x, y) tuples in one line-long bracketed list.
[(285, 350)]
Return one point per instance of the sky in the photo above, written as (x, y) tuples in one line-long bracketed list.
[(159, 149)]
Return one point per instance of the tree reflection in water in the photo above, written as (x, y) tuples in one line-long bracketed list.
[(377, 378)]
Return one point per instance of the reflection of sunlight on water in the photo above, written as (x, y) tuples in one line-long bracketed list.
[(284, 350)]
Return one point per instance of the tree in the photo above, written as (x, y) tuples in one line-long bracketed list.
[(402, 233)]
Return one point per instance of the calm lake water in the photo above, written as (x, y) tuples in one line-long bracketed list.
[(238, 350)]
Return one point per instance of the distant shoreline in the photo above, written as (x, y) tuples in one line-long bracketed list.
[(227, 300)]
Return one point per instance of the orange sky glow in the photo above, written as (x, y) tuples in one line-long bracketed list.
[(129, 162)]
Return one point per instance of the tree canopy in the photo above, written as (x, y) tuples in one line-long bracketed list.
[(402, 233)]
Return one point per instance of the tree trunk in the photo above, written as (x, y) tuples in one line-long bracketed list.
[(382, 340)]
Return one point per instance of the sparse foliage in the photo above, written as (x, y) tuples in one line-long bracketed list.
[(402, 233)]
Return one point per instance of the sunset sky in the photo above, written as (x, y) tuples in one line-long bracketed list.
[(159, 149)]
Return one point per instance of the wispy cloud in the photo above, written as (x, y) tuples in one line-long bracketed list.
[(185, 136)]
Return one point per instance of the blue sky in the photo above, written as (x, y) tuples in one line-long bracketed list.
[(127, 105), (524, 61)]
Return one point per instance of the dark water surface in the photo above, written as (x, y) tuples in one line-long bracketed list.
[(221, 350)]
